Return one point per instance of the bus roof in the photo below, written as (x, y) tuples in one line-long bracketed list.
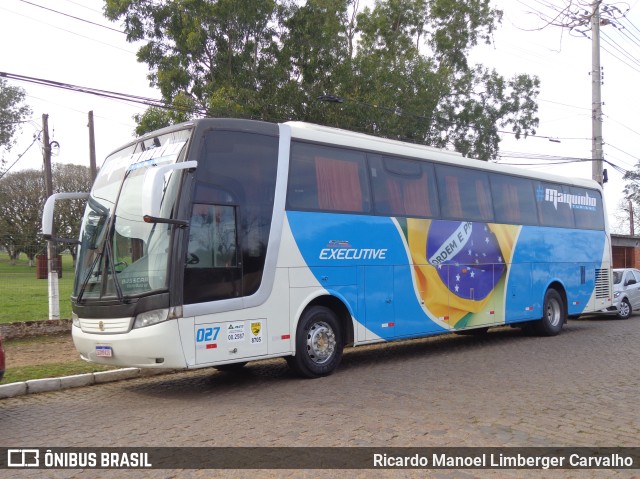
[(350, 139)]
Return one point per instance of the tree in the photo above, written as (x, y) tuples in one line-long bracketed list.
[(155, 118), (12, 113), (631, 194), (397, 69), (21, 203), (412, 59), (622, 215), (213, 53), (70, 178), (22, 200)]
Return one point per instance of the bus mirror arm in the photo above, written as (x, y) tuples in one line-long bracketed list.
[(153, 219), (47, 213)]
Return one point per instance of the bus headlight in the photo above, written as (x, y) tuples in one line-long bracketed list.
[(149, 318)]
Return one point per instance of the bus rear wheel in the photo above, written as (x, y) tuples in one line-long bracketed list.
[(318, 343), (554, 315)]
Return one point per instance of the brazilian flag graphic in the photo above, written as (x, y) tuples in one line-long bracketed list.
[(460, 266)]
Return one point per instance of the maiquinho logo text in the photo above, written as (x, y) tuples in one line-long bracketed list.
[(579, 202)]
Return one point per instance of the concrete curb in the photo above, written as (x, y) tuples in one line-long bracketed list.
[(26, 329), (34, 386)]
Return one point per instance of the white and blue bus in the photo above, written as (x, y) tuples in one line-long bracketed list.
[(221, 241)]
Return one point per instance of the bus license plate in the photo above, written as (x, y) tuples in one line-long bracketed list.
[(104, 351)]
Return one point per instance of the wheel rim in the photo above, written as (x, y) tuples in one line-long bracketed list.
[(321, 342), (554, 312), (624, 309)]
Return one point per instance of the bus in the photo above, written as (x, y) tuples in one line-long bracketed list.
[(217, 242)]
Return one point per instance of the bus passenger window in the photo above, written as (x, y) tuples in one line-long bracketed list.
[(587, 209), (338, 185), (327, 179), (554, 209), (513, 200), (403, 187), (464, 194)]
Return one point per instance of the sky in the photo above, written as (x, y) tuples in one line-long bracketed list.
[(52, 46), (525, 43)]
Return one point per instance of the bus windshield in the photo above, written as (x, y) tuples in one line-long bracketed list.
[(121, 255)]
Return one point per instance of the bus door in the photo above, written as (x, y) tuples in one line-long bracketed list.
[(379, 302), (213, 272), (521, 303)]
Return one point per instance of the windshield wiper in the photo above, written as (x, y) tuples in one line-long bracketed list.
[(87, 278), (92, 232), (112, 265)]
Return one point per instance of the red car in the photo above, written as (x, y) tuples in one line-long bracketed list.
[(1, 360)]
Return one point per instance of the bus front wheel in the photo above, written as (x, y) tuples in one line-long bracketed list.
[(318, 343), (553, 315)]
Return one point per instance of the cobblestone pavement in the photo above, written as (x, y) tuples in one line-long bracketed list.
[(581, 388)]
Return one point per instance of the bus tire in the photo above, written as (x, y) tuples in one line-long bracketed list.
[(554, 315), (319, 343)]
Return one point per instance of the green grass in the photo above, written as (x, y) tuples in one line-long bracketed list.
[(43, 357), (25, 373), (23, 297)]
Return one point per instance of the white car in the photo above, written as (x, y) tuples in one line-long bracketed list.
[(626, 291)]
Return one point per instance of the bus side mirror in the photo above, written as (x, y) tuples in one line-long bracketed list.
[(153, 186), (47, 212)]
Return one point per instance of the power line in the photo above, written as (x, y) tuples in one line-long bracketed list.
[(84, 6), (629, 35), (565, 104), (88, 90), (624, 17), (539, 156), (619, 169), (554, 161), (623, 125), (157, 103), (35, 138), (622, 151), (68, 31), (72, 16), (616, 46)]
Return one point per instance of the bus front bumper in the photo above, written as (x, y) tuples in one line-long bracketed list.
[(156, 346)]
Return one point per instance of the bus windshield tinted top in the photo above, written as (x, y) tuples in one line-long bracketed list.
[(121, 255)]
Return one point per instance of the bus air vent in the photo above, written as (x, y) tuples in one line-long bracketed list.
[(602, 284)]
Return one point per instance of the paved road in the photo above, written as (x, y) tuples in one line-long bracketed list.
[(581, 388)]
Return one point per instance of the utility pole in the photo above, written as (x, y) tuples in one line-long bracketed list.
[(54, 300), (92, 148), (596, 96)]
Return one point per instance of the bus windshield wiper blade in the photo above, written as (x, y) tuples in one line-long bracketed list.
[(87, 278), (112, 266)]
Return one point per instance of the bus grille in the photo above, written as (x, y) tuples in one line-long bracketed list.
[(603, 290), (106, 326)]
